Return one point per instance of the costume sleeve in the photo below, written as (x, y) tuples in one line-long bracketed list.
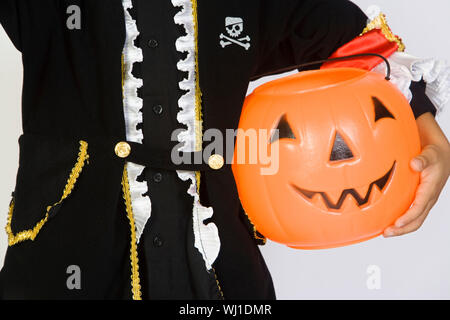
[(9, 19), (420, 102), (425, 82), (299, 31)]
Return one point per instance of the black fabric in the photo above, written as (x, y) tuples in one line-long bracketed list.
[(157, 159), (420, 102), (10, 19), (90, 230), (314, 31), (72, 91)]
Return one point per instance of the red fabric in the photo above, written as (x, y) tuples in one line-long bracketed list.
[(372, 42)]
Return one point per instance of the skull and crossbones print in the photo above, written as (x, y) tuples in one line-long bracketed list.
[(234, 28)]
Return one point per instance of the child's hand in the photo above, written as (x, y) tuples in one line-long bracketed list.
[(434, 165)]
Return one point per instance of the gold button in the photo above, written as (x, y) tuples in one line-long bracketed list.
[(216, 161), (122, 149)]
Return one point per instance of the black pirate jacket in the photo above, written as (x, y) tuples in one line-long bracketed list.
[(99, 210)]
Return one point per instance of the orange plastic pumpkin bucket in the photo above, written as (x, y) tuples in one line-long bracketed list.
[(345, 140)]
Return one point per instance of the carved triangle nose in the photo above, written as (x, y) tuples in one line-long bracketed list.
[(340, 151)]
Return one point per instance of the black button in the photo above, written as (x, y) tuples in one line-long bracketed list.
[(152, 43), (157, 242), (158, 109), (157, 177)]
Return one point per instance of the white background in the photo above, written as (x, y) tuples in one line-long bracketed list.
[(415, 266)]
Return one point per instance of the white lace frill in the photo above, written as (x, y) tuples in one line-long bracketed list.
[(133, 116), (407, 68), (207, 239)]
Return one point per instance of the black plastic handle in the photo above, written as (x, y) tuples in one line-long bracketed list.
[(388, 65)]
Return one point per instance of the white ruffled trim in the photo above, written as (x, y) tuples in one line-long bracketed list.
[(133, 116), (207, 239), (406, 68)]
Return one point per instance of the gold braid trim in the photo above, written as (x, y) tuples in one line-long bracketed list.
[(255, 232), (31, 234), (218, 284), (198, 93), (134, 260), (135, 280), (198, 110), (380, 22)]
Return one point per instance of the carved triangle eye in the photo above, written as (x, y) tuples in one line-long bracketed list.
[(380, 110), (340, 151), (282, 131)]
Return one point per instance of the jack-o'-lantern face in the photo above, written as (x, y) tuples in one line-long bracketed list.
[(345, 138)]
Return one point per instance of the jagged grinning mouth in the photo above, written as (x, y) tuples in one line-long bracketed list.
[(380, 183)]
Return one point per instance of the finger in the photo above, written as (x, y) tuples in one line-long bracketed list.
[(419, 163), (428, 156), (410, 227), (427, 191), (425, 196)]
